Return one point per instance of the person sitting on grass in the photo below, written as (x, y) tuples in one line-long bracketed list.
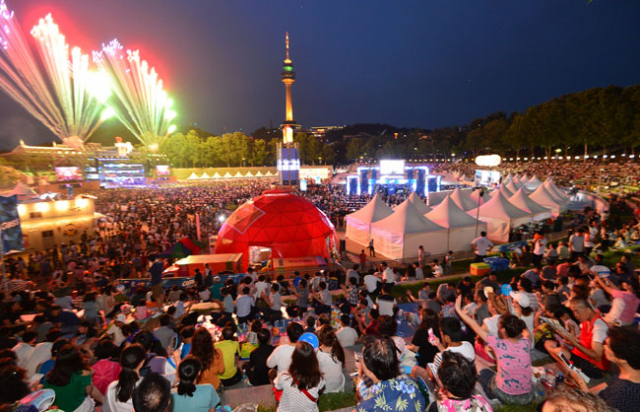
[(189, 396), (301, 384), (457, 378), (512, 382), (388, 389), (622, 348)]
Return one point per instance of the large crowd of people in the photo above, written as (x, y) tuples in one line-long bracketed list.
[(80, 333)]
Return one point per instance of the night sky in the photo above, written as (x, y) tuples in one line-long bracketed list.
[(423, 63)]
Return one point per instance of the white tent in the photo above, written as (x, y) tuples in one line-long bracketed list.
[(522, 201), (555, 190), (513, 186), (477, 199), (461, 228), (505, 192), (216, 175), (227, 175), (434, 198), (533, 183), (193, 176), (205, 176), (399, 235), (259, 174), (544, 198), (501, 216), (420, 206), (249, 174), (238, 174), (463, 200), (359, 222), (269, 173)]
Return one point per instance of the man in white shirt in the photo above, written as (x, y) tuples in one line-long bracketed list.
[(244, 303), (387, 273), (262, 286), (280, 358), (346, 335), (539, 248), (437, 268), (451, 332), (481, 246), (274, 300), (386, 302), (372, 283), (24, 349)]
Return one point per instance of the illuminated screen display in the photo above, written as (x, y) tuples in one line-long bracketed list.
[(487, 177), (163, 170), (391, 167), (64, 174)]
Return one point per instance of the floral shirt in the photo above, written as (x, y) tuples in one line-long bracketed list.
[(399, 394)]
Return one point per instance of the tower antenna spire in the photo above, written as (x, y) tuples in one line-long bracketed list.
[(287, 43)]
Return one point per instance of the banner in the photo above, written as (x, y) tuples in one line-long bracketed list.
[(12, 240)]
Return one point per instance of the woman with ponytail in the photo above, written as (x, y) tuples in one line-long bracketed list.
[(120, 392), (331, 359), (189, 396)]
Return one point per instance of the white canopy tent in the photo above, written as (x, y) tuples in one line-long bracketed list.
[(399, 235), (555, 190), (533, 183), (205, 176), (542, 196), (216, 175), (505, 192), (501, 216), (420, 206), (359, 223), (512, 186), (435, 198), (463, 200), (522, 201), (461, 228), (193, 176)]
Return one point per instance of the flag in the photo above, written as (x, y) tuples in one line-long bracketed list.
[(11, 232)]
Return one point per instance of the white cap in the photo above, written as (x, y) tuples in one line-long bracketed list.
[(522, 299)]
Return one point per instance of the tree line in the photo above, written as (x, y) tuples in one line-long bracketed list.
[(594, 120)]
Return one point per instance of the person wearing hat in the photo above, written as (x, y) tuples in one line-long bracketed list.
[(115, 329), (300, 385), (522, 308)]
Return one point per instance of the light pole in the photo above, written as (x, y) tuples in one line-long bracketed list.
[(480, 194)]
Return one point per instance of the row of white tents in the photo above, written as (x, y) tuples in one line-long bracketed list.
[(451, 219), (228, 175)]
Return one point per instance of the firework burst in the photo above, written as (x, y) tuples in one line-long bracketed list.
[(138, 99), (52, 83)]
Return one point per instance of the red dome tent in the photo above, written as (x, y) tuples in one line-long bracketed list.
[(288, 224)]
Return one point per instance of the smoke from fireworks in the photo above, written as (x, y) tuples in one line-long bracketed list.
[(138, 99), (58, 95)]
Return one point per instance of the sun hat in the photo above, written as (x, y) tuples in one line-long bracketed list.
[(311, 339), (522, 299)]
